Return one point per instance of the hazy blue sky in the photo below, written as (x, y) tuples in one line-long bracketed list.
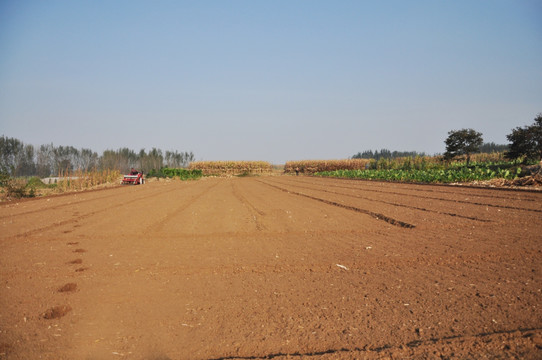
[(267, 80)]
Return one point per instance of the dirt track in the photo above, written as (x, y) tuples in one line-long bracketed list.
[(272, 267)]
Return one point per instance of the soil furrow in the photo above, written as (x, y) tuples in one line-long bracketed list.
[(78, 218), (396, 204), (80, 199), (375, 215), (159, 225), (521, 194), (493, 339), (456, 201)]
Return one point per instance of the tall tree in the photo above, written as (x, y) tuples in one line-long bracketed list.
[(88, 160), (45, 160), (122, 159), (9, 148), (154, 159), (462, 142), (25, 165)]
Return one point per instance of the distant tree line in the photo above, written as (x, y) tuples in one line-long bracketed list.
[(19, 159), (386, 154), (487, 148), (491, 147)]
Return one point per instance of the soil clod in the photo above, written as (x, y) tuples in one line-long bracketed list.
[(69, 287), (56, 312)]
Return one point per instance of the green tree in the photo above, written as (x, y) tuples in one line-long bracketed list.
[(462, 142), (526, 141)]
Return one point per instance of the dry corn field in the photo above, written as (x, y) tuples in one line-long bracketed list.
[(313, 166), (231, 167), (277, 267)]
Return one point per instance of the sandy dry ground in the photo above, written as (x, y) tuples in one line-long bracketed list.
[(272, 267)]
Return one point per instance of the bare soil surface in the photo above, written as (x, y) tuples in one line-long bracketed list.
[(272, 268)]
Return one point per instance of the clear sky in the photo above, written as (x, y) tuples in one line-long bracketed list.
[(267, 80)]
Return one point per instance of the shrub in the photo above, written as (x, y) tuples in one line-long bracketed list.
[(16, 188)]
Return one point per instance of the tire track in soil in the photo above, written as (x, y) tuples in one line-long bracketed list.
[(81, 200), (456, 342), (57, 206), (256, 213), (159, 225), (453, 200), (49, 227), (86, 215), (391, 203), (377, 216)]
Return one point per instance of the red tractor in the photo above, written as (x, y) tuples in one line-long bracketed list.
[(134, 178)]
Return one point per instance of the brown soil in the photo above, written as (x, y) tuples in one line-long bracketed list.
[(273, 267)]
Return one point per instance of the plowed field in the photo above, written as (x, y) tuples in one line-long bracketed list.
[(272, 267)]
